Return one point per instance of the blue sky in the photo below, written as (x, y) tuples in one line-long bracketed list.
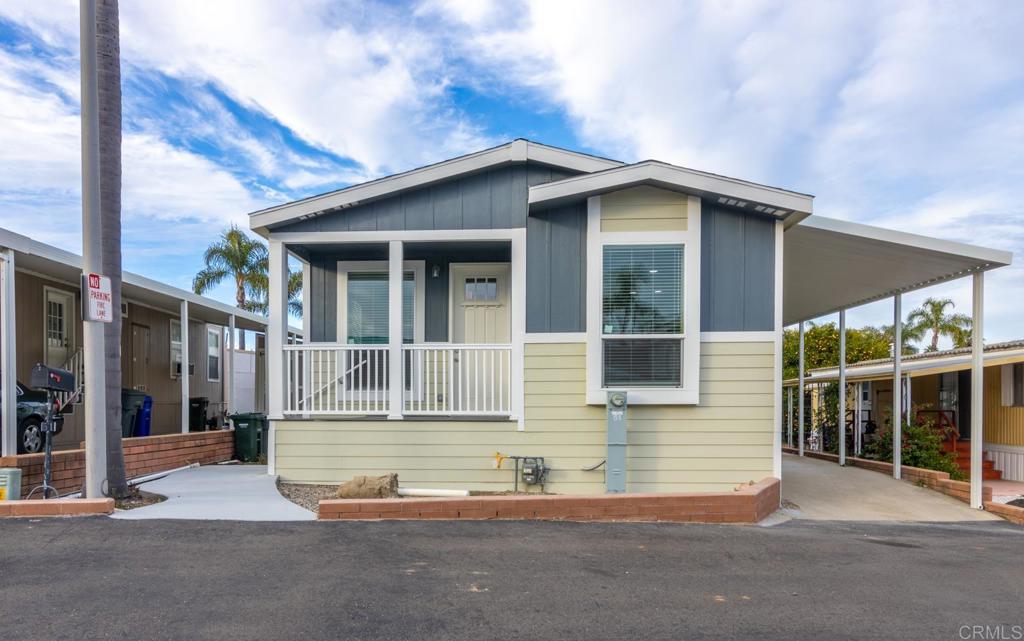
[(908, 115)]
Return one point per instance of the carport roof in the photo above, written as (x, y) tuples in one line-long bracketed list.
[(832, 264), (58, 264)]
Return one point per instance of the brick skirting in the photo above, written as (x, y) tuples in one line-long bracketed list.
[(938, 481), (56, 507), (747, 504), (142, 455)]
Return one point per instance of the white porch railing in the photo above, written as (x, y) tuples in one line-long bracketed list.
[(456, 379), (336, 379)]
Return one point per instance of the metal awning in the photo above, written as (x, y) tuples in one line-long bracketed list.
[(65, 266), (833, 264)]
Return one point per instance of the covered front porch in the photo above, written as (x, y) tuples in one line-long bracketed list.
[(450, 351)]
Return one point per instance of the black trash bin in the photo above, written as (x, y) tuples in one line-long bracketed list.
[(197, 407), (131, 405), (250, 436)]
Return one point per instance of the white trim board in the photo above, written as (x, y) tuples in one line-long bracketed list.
[(752, 197), (517, 151), (738, 337), (553, 337)]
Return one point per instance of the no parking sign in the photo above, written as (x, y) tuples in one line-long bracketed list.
[(97, 300)]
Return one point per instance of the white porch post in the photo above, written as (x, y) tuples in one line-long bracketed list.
[(185, 359), (977, 389), (277, 337), (857, 411), (518, 285), (800, 392), (897, 378), (395, 329), (842, 387), (229, 383), (789, 416), (9, 355)]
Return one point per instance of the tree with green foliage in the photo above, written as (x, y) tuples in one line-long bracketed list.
[(931, 317), (821, 346)]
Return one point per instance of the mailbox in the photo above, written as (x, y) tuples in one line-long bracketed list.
[(51, 379), (615, 470)]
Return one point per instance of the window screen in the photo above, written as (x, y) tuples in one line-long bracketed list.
[(368, 308), (642, 295)]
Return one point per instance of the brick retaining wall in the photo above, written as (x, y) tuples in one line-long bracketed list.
[(938, 481), (747, 504), (142, 455), (56, 507)]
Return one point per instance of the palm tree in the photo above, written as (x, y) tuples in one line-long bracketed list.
[(931, 317), (258, 292), (238, 257), (108, 78)]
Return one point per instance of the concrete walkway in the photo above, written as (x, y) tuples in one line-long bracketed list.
[(219, 492), (820, 490)]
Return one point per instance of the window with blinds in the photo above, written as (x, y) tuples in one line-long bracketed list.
[(642, 315), (367, 308)]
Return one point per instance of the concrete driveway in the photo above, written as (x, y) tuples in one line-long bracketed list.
[(219, 492), (820, 490)]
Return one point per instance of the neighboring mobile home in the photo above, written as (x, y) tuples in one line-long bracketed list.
[(940, 387), (487, 304), (41, 286)]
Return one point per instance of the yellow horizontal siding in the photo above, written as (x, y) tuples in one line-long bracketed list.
[(644, 209), (1003, 425), (722, 442)]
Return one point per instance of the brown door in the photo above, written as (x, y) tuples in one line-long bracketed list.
[(140, 357)]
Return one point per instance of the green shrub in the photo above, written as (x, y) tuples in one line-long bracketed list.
[(922, 447)]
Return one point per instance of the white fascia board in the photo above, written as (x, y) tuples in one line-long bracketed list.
[(517, 151), (29, 247), (995, 257), (671, 177)]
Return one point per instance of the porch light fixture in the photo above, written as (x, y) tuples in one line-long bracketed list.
[(435, 271)]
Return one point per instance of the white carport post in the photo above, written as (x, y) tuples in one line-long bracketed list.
[(185, 370), (897, 380), (789, 416), (977, 389), (229, 384), (842, 387), (395, 274), (800, 391), (9, 354)]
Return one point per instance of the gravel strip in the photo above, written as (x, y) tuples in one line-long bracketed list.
[(307, 495)]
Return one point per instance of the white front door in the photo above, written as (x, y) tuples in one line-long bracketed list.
[(480, 307), (480, 316), (58, 326)]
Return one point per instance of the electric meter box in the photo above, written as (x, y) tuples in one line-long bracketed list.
[(10, 483)]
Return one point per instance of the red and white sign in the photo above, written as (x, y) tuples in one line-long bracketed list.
[(97, 299)]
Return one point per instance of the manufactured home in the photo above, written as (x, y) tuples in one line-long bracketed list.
[(162, 328), (486, 306), (937, 385)]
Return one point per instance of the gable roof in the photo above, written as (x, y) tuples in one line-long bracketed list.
[(517, 151), (783, 204)]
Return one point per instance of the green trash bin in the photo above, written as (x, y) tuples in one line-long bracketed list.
[(10, 483), (250, 436), (197, 407), (131, 405)]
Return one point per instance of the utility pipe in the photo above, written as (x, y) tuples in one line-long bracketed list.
[(417, 491)]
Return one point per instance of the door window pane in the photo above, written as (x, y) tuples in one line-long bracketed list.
[(481, 289)]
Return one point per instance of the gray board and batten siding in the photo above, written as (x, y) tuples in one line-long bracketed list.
[(737, 253)]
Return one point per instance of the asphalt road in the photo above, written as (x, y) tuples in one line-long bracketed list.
[(99, 578)]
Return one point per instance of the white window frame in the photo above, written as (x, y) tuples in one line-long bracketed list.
[(219, 333), (170, 347), (689, 392), (419, 272)]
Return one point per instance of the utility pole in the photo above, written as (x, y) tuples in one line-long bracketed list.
[(92, 331)]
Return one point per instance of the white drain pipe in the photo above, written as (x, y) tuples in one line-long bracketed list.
[(415, 491)]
